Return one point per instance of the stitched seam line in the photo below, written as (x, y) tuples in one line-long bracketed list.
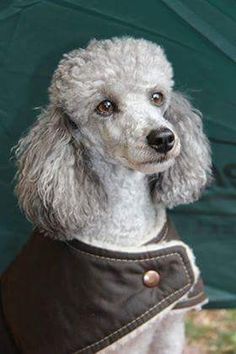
[(146, 312), (123, 260), (133, 321)]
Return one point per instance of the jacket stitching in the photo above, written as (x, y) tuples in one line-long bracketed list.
[(133, 321), (145, 314), (123, 260)]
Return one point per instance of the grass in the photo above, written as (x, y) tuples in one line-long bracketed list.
[(211, 332)]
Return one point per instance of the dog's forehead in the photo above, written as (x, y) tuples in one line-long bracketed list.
[(124, 59), (124, 63), (132, 58)]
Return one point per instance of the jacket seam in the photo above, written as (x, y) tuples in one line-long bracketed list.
[(125, 259), (145, 314)]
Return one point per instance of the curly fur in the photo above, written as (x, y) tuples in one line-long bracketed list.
[(81, 175), (184, 182), (57, 186), (51, 173)]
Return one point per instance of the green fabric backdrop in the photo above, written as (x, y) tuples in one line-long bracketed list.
[(199, 38)]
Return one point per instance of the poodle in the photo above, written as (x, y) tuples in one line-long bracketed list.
[(113, 150)]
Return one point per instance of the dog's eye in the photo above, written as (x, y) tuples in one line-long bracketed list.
[(106, 108), (157, 98)]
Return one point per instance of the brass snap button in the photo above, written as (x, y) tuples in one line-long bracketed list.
[(151, 278)]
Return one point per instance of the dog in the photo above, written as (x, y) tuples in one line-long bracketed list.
[(114, 149)]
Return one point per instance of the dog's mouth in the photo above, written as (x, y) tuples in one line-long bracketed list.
[(163, 157), (152, 166), (152, 163), (156, 162)]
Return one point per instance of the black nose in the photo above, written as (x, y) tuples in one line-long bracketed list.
[(162, 140)]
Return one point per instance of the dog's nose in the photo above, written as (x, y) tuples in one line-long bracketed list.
[(162, 140)]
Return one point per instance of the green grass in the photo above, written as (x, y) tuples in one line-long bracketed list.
[(212, 331)]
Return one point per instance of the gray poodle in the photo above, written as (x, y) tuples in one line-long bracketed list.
[(113, 150)]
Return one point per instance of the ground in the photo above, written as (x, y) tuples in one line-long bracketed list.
[(211, 332)]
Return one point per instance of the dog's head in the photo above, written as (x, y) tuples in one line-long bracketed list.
[(116, 92), (114, 97)]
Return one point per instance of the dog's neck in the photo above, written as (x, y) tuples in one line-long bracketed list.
[(131, 218)]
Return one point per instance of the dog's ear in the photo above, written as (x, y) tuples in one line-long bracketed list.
[(185, 180), (56, 188)]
